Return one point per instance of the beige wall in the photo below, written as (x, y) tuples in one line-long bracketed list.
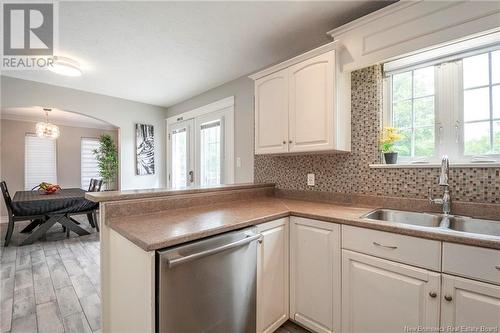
[(242, 90), (68, 153)]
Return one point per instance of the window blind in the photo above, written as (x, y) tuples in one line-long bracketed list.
[(40, 161), (89, 165)]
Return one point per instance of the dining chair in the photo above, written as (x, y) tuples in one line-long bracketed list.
[(95, 185), (14, 216)]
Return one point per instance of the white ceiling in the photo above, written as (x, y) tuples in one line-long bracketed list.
[(164, 52), (56, 116)]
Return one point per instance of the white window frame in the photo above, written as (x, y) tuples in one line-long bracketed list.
[(449, 104), (223, 107)]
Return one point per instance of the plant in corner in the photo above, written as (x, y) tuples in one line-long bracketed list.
[(107, 160), (388, 138)]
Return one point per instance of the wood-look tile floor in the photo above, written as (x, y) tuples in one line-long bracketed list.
[(53, 285)]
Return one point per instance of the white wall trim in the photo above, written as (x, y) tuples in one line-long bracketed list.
[(215, 106), (304, 56), (362, 21), (225, 105), (408, 27)]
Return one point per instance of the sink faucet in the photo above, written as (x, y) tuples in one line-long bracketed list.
[(444, 176)]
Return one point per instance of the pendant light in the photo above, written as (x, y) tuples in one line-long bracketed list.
[(46, 129)]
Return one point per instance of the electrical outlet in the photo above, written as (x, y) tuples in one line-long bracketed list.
[(310, 179)]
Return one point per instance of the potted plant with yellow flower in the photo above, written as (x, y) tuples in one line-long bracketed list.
[(388, 138)]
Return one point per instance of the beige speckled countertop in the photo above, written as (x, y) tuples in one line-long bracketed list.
[(165, 192), (175, 226)]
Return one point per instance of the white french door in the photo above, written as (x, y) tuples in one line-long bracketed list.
[(200, 148), (180, 136)]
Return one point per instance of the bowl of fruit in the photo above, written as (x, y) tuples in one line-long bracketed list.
[(48, 188)]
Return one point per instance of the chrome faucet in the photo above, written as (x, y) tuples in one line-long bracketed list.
[(444, 176)]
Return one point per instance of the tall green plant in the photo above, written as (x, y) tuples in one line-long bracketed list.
[(107, 159)]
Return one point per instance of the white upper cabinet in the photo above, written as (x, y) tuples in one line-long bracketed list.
[(295, 106), (311, 95), (272, 275), (271, 113), (469, 303)]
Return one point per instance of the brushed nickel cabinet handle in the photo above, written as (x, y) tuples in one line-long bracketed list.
[(290, 141), (433, 294), (385, 246), (284, 142), (448, 298)]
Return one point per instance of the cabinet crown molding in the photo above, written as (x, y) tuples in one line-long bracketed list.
[(295, 60)]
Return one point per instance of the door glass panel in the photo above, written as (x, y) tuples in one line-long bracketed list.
[(210, 153), (179, 158)]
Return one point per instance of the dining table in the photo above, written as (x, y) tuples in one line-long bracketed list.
[(54, 207)]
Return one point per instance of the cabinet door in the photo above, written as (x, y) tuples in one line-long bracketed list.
[(272, 275), (312, 104), (469, 303), (315, 274), (271, 113), (383, 296)]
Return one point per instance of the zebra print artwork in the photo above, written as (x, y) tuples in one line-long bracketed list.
[(145, 149)]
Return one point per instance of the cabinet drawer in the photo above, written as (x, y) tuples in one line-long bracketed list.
[(405, 249), (470, 261)]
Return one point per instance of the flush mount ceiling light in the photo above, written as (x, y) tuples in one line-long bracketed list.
[(65, 66), (45, 129)]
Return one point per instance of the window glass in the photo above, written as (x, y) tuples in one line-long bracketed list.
[(413, 112), (401, 86), (210, 153), (481, 105), (477, 138), (476, 104), (89, 165), (496, 101), (476, 71), (40, 161), (496, 137), (495, 69), (423, 82), (179, 158)]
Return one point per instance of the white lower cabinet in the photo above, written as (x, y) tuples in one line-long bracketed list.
[(315, 274), (272, 275), (379, 295), (469, 303)]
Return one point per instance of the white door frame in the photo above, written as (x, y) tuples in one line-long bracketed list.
[(226, 106)]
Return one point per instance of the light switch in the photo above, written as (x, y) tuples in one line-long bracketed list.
[(238, 162), (310, 179)]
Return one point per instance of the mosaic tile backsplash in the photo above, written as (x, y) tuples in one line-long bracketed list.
[(350, 173)]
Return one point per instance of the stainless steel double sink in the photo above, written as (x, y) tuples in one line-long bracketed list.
[(433, 220)]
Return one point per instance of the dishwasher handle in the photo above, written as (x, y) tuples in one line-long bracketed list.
[(171, 262)]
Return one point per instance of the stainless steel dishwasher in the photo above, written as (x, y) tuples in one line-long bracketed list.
[(209, 285)]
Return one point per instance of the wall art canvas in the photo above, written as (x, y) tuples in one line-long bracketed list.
[(145, 149)]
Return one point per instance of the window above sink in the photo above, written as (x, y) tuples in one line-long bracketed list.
[(446, 104)]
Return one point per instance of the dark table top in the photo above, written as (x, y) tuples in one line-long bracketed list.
[(65, 193), (69, 200)]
